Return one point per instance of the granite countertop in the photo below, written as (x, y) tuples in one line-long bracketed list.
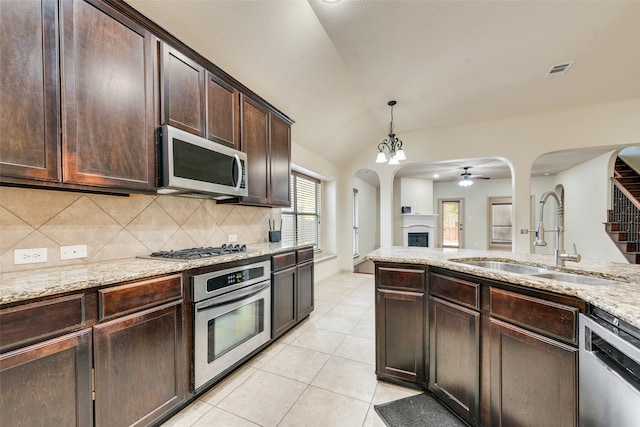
[(621, 300), (31, 284)]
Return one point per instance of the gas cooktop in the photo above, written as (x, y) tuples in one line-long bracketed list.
[(198, 253)]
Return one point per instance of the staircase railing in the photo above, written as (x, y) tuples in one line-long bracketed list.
[(625, 211)]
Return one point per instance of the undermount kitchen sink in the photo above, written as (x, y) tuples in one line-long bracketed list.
[(545, 273), (507, 266), (580, 279)]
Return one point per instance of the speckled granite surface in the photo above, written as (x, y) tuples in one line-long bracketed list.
[(37, 283), (621, 300)]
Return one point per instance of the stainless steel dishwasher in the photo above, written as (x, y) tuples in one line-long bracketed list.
[(609, 377)]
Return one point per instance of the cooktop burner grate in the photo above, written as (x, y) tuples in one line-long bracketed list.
[(198, 253)]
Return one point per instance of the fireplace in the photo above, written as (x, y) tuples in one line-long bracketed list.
[(419, 230), (420, 239)]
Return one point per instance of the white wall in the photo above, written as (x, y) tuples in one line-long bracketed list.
[(368, 222), (414, 192), (586, 200), (518, 140), (308, 162), (418, 194), (476, 206)]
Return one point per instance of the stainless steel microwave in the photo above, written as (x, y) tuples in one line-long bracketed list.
[(189, 165)]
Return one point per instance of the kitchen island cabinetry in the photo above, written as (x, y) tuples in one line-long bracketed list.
[(106, 138), (291, 289), (401, 323), (454, 342), (503, 354), (533, 361)]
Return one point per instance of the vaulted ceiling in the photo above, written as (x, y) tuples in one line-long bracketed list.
[(332, 67)]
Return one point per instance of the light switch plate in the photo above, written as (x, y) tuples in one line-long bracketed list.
[(29, 256), (73, 252), (233, 238)]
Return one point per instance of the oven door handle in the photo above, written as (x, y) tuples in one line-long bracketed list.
[(234, 296)]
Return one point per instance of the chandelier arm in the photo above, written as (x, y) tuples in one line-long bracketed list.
[(382, 145)]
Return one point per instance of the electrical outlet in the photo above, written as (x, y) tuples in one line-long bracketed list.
[(29, 256), (233, 238), (73, 252)]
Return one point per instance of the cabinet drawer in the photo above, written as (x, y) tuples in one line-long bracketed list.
[(549, 318), (305, 255), (401, 278), (38, 320), (281, 261), (456, 290), (135, 296)]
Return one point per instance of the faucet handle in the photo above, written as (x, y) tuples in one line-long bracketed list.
[(575, 256)]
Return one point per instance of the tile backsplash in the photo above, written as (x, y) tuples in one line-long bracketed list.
[(117, 227)]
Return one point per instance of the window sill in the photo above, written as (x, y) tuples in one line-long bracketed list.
[(321, 256)]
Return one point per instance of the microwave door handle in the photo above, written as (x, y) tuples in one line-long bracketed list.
[(239, 170), (234, 296)]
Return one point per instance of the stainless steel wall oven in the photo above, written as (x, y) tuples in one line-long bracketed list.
[(232, 318)]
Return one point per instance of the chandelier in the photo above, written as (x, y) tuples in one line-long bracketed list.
[(391, 143)]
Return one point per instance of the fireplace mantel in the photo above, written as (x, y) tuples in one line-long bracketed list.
[(419, 223)]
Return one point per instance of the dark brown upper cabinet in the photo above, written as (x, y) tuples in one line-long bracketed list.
[(183, 91), (104, 96), (29, 84), (255, 142), (108, 134), (223, 112), (280, 150), (266, 138)]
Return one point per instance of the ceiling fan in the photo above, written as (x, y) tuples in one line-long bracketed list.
[(465, 177)]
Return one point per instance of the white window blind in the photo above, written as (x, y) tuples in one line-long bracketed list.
[(301, 221)]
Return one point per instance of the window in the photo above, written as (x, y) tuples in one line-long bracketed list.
[(355, 223), (301, 221), (500, 222)]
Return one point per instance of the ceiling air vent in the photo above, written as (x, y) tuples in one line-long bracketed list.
[(558, 70)]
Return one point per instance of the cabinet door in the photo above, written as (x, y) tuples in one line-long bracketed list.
[(280, 161), (305, 290), (223, 112), (139, 366), (533, 378), (29, 105), (400, 336), (283, 301), (255, 142), (108, 104), (454, 361), (48, 384), (183, 96)]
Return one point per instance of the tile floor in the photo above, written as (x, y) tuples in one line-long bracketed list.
[(321, 373)]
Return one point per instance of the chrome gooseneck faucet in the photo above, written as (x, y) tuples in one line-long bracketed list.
[(559, 255)]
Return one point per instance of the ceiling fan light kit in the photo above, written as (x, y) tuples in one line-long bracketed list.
[(392, 144), (465, 178)]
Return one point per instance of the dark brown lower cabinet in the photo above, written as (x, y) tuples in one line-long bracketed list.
[(533, 378), (139, 366), (291, 289), (48, 383), (283, 295), (454, 361), (305, 289), (400, 332)]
